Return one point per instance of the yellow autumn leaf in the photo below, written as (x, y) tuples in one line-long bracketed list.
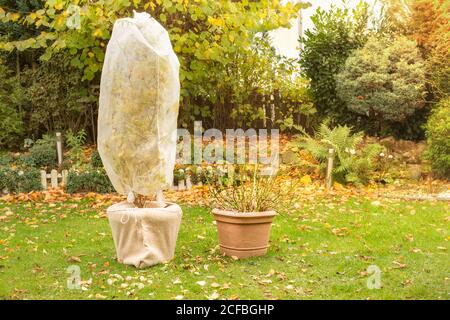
[(59, 21), (14, 16), (338, 186), (306, 180), (97, 33), (216, 22), (150, 5)]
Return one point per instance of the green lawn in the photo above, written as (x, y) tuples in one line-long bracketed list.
[(320, 252)]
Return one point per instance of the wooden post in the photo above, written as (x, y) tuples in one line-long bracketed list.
[(59, 147), (329, 181), (44, 179), (188, 182), (64, 176), (181, 185), (54, 178)]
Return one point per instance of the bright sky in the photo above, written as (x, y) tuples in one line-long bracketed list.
[(285, 40)]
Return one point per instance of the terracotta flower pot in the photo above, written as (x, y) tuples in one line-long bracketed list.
[(243, 235)]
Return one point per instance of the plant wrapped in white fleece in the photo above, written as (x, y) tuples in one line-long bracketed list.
[(139, 99)]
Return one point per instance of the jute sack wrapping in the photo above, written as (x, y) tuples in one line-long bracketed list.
[(144, 236)]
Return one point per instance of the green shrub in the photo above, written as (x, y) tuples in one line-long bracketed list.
[(336, 33), (12, 102), (384, 81), (438, 138), (59, 98), (352, 164), (41, 155), (359, 168), (89, 181), (178, 175), (20, 181), (96, 160), (6, 179), (11, 126), (30, 181), (6, 159)]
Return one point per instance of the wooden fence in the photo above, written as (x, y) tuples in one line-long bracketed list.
[(54, 177)]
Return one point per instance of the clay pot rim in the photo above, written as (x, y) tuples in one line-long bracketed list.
[(237, 214)]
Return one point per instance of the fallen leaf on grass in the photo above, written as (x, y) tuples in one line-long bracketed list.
[(399, 264), (407, 282), (74, 259), (36, 269), (213, 296), (289, 287), (265, 281), (363, 273), (271, 273), (340, 232), (376, 203)]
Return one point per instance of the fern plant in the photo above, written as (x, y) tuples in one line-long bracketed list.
[(352, 164)]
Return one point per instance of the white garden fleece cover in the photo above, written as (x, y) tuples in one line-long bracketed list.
[(139, 98)]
